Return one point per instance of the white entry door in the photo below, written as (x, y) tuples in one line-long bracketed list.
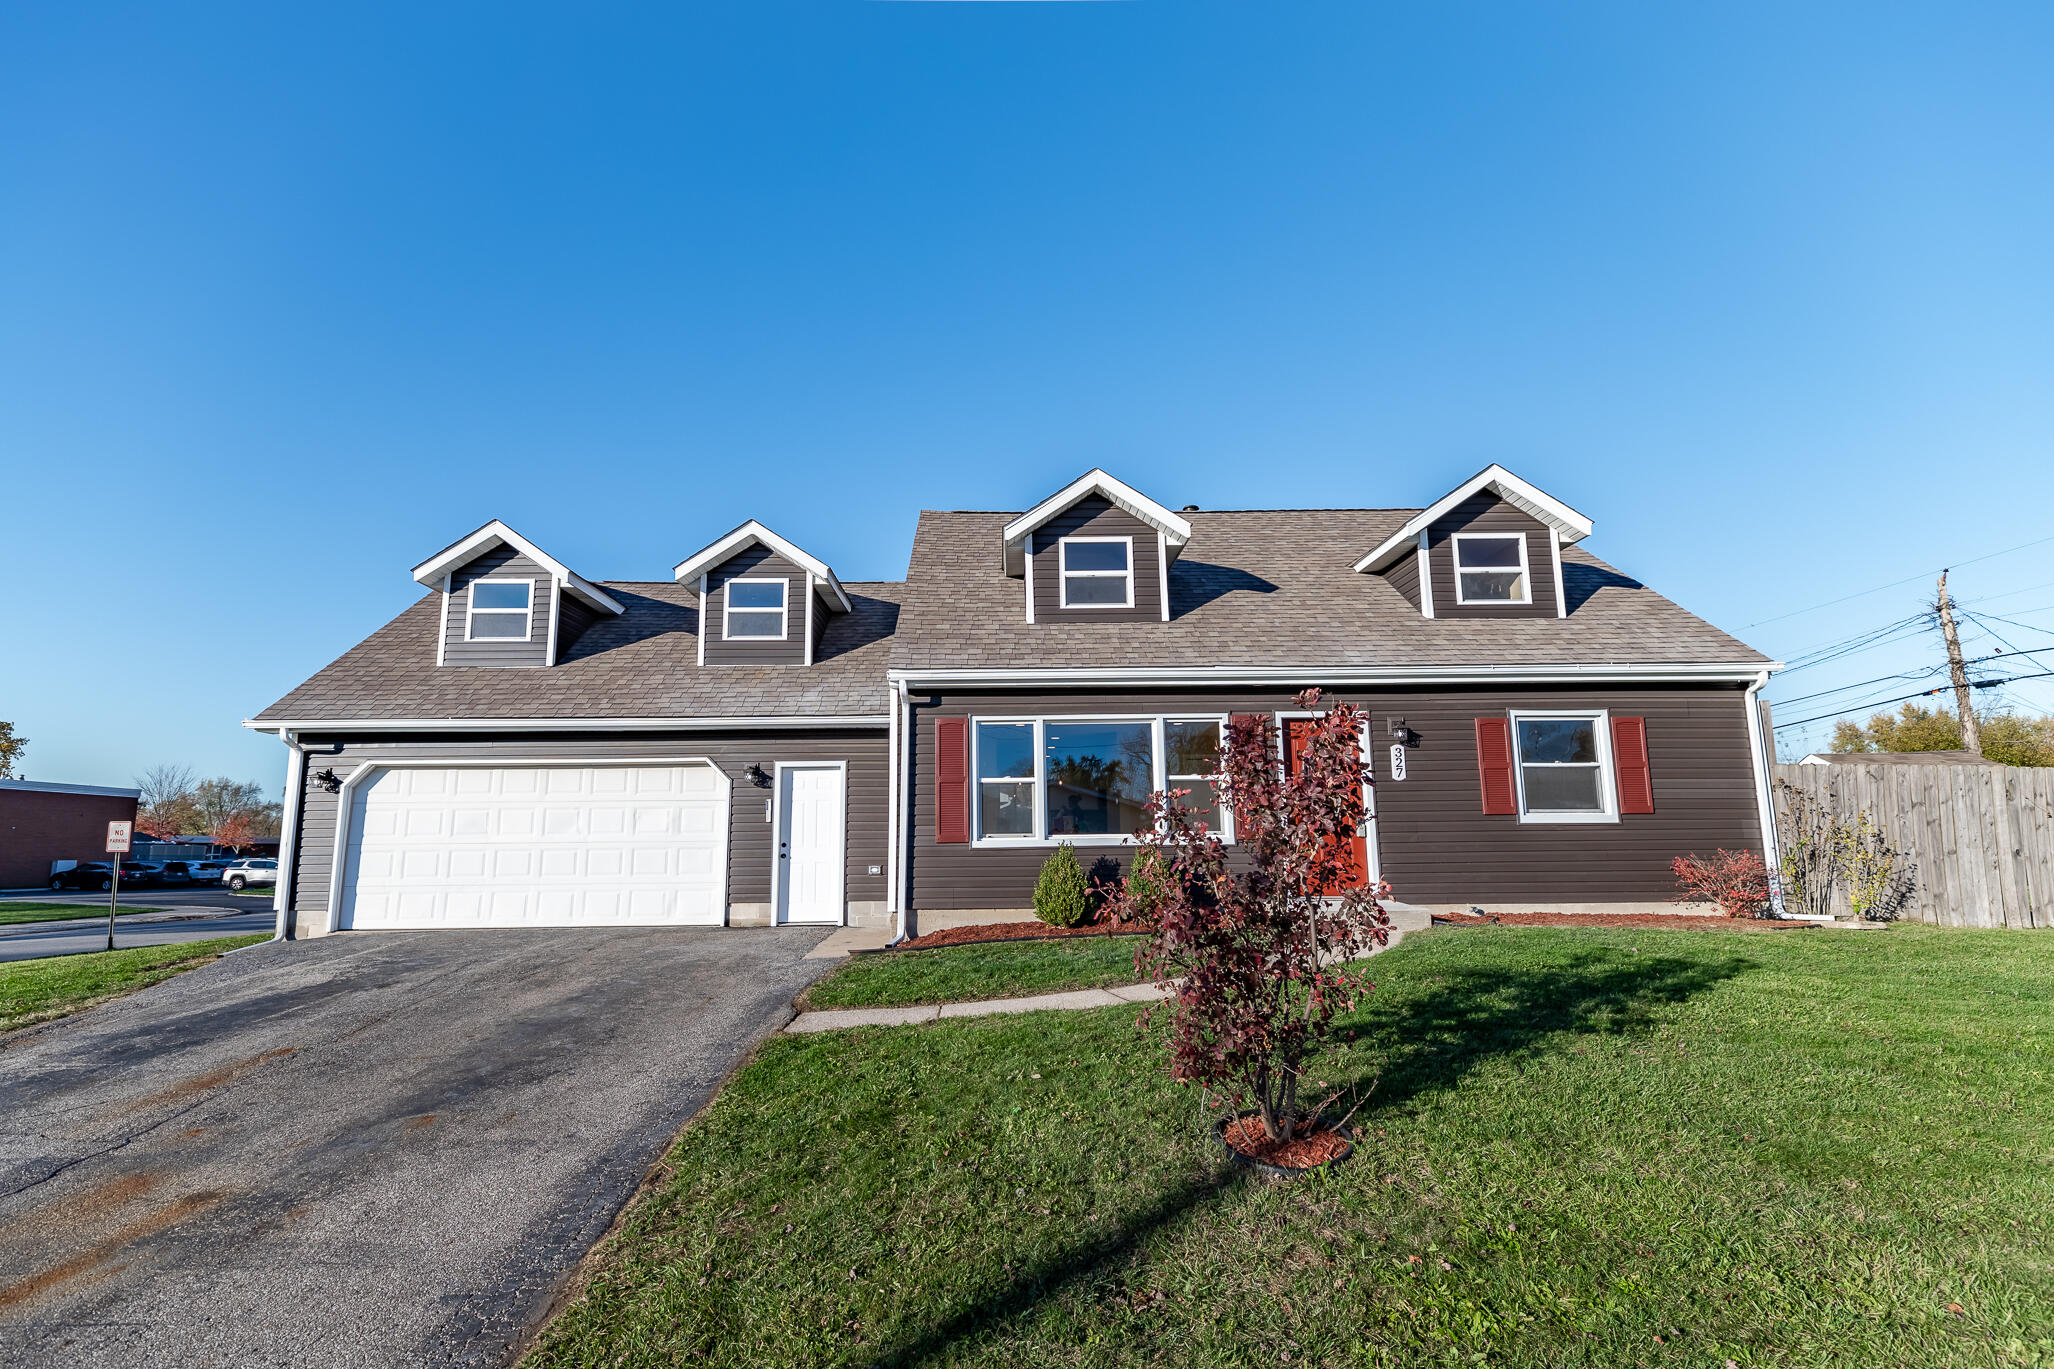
[(809, 843), (536, 846)]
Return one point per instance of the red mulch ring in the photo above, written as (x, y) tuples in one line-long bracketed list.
[(1636, 922), (1303, 1151), (1018, 931)]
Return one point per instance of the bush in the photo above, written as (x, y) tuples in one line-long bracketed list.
[(1148, 884), (1735, 880), (1061, 896)]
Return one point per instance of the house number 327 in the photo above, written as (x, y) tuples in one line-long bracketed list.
[(1398, 762)]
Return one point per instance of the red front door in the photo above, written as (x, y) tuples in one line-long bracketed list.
[(1296, 731)]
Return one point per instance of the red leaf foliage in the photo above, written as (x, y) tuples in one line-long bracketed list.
[(1259, 949), (1735, 880)]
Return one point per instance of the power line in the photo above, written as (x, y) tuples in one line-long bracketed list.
[(1878, 589), (1923, 693), (1907, 674)]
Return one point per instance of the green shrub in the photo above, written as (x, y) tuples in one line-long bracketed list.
[(1061, 897), (1147, 883)]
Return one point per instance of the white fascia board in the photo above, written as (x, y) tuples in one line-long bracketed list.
[(53, 787), (1735, 672), (837, 720), (467, 549), (748, 535), (1571, 525), (1175, 530)]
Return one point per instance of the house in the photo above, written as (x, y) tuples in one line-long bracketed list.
[(45, 827), (756, 741)]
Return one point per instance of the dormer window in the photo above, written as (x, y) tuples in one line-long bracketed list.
[(755, 609), (1097, 572), (501, 611), (1490, 568)]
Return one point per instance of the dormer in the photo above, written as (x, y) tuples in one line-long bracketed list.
[(506, 602), (1096, 551), (762, 600), (1489, 548)]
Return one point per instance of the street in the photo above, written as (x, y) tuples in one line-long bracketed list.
[(188, 915)]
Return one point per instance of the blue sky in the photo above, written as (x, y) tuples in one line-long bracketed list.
[(291, 298)]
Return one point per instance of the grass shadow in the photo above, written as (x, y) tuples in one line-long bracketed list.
[(1433, 1039)]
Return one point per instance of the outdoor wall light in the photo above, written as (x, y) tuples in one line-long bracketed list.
[(327, 780), (757, 775), (1402, 734)]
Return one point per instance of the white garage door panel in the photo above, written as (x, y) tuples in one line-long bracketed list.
[(543, 846)]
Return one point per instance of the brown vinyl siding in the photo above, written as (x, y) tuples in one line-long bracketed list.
[(1488, 513), (751, 838), (1434, 841), (758, 562), (1403, 575), (501, 563), (572, 618), (1095, 517)]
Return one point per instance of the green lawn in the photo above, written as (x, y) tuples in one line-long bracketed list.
[(11, 912), (34, 991), (990, 970), (1584, 1148)]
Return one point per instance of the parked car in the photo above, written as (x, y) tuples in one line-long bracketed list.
[(247, 872), (176, 872), (208, 871), (140, 872), (95, 874)]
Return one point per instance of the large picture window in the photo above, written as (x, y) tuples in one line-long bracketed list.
[(1097, 572), (501, 611), (1490, 568), (1087, 780), (1564, 767)]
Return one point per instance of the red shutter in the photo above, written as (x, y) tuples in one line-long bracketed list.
[(1629, 760), (1239, 720), (951, 779), (1494, 765)]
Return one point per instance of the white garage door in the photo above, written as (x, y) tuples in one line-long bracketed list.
[(540, 846)]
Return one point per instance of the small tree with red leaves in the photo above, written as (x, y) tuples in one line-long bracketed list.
[(1258, 936), (235, 831)]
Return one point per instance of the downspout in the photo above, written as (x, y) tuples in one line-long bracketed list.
[(288, 832), (1765, 797), (894, 823)]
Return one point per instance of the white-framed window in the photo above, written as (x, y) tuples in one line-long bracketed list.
[(1562, 763), (1490, 568), (1086, 780), (1096, 572), (500, 611), (753, 609)]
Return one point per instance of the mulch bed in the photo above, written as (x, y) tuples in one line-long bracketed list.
[(1303, 1151), (1017, 931), (1636, 922)]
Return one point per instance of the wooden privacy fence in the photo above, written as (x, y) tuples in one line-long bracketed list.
[(1982, 836)]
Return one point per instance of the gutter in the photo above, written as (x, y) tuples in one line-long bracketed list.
[(476, 724), (1765, 799), (1729, 673), (288, 835)]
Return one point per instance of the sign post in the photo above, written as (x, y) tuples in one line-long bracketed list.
[(118, 837)]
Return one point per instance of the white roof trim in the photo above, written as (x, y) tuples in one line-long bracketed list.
[(1298, 677), (53, 787), (748, 535), (825, 720), (462, 552), (1176, 531), (1573, 526)]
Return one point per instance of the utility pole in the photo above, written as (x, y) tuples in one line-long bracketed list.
[(1971, 730)]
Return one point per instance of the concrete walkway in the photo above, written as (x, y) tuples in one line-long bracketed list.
[(835, 1019)]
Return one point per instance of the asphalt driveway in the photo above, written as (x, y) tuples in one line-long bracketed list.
[(370, 1149)]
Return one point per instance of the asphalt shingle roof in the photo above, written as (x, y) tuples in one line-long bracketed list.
[(643, 663), (1275, 587), (1269, 587)]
